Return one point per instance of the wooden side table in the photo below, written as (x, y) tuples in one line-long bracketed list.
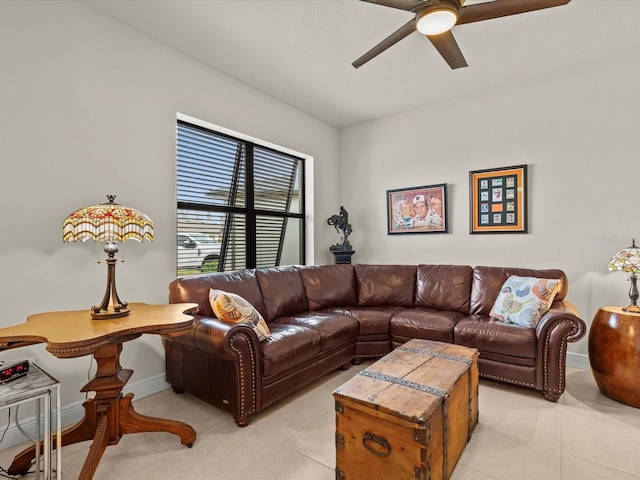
[(108, 414), (614, 354)]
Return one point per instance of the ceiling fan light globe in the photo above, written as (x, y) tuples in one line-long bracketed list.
[(435, 22)]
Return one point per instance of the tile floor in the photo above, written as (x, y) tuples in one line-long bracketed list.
[(520, 436)]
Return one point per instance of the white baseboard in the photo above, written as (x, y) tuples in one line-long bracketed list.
[(578, 360), (74, 412)]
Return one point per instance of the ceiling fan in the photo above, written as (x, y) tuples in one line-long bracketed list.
[(435, 18)]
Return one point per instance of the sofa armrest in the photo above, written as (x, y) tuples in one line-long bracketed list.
[(229, 351), (560, 325), (563, 312), (223, 339)]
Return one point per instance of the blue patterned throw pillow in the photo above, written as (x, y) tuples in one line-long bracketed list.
[(523, 300)]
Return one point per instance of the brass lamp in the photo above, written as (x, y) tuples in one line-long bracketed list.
[(108, 222), (628, 260)]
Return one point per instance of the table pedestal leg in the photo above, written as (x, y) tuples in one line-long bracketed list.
[(108, 416)]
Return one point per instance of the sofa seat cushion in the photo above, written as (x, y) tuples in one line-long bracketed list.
[(372, 320), (492, 336), (334, 328), (288, 346), (425, 323)]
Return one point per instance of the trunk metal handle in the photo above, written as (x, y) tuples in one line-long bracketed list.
[(376, 444)]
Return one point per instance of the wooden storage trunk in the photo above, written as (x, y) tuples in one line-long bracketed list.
[(409, 415)]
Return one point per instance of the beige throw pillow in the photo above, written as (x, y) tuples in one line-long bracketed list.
[(235, 309)]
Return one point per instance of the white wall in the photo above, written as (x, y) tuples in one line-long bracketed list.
[(578, 133), (89, 108)]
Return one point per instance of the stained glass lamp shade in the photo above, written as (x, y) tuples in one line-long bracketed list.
[(109, 223), (628, 260)]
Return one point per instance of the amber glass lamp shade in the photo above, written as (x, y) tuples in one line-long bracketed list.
[(108, 223), (628, 260)]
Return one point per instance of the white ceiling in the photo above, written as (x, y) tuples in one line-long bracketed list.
[(300, 51)]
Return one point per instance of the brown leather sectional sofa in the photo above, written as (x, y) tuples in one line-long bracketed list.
[(324, 317)]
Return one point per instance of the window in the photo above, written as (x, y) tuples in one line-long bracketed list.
[(240, 204)]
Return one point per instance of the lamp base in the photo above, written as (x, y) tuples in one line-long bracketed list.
[(632, 309), (109, 309), (110, 314)]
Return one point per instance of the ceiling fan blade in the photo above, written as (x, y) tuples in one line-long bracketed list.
[(408, 5), (503, 8), (391, 40), (446, 44)]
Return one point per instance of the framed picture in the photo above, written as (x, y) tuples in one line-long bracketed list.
[(498, 200), (417, 210)]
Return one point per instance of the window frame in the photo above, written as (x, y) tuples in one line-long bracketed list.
[(249, 211)]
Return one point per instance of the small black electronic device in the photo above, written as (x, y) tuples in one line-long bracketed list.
[(13, 369)]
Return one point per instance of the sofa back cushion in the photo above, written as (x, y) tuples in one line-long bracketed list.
[(329, 286), (487, 282), (195, 289), (444, 287), (282, 291), (388, 285)]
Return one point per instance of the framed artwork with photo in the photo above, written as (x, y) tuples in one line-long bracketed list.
[(498, 200), (417, 210)]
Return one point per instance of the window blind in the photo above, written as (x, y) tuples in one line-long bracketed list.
[(246, 200)]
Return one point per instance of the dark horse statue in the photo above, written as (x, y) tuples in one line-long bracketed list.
[(341, 224)]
